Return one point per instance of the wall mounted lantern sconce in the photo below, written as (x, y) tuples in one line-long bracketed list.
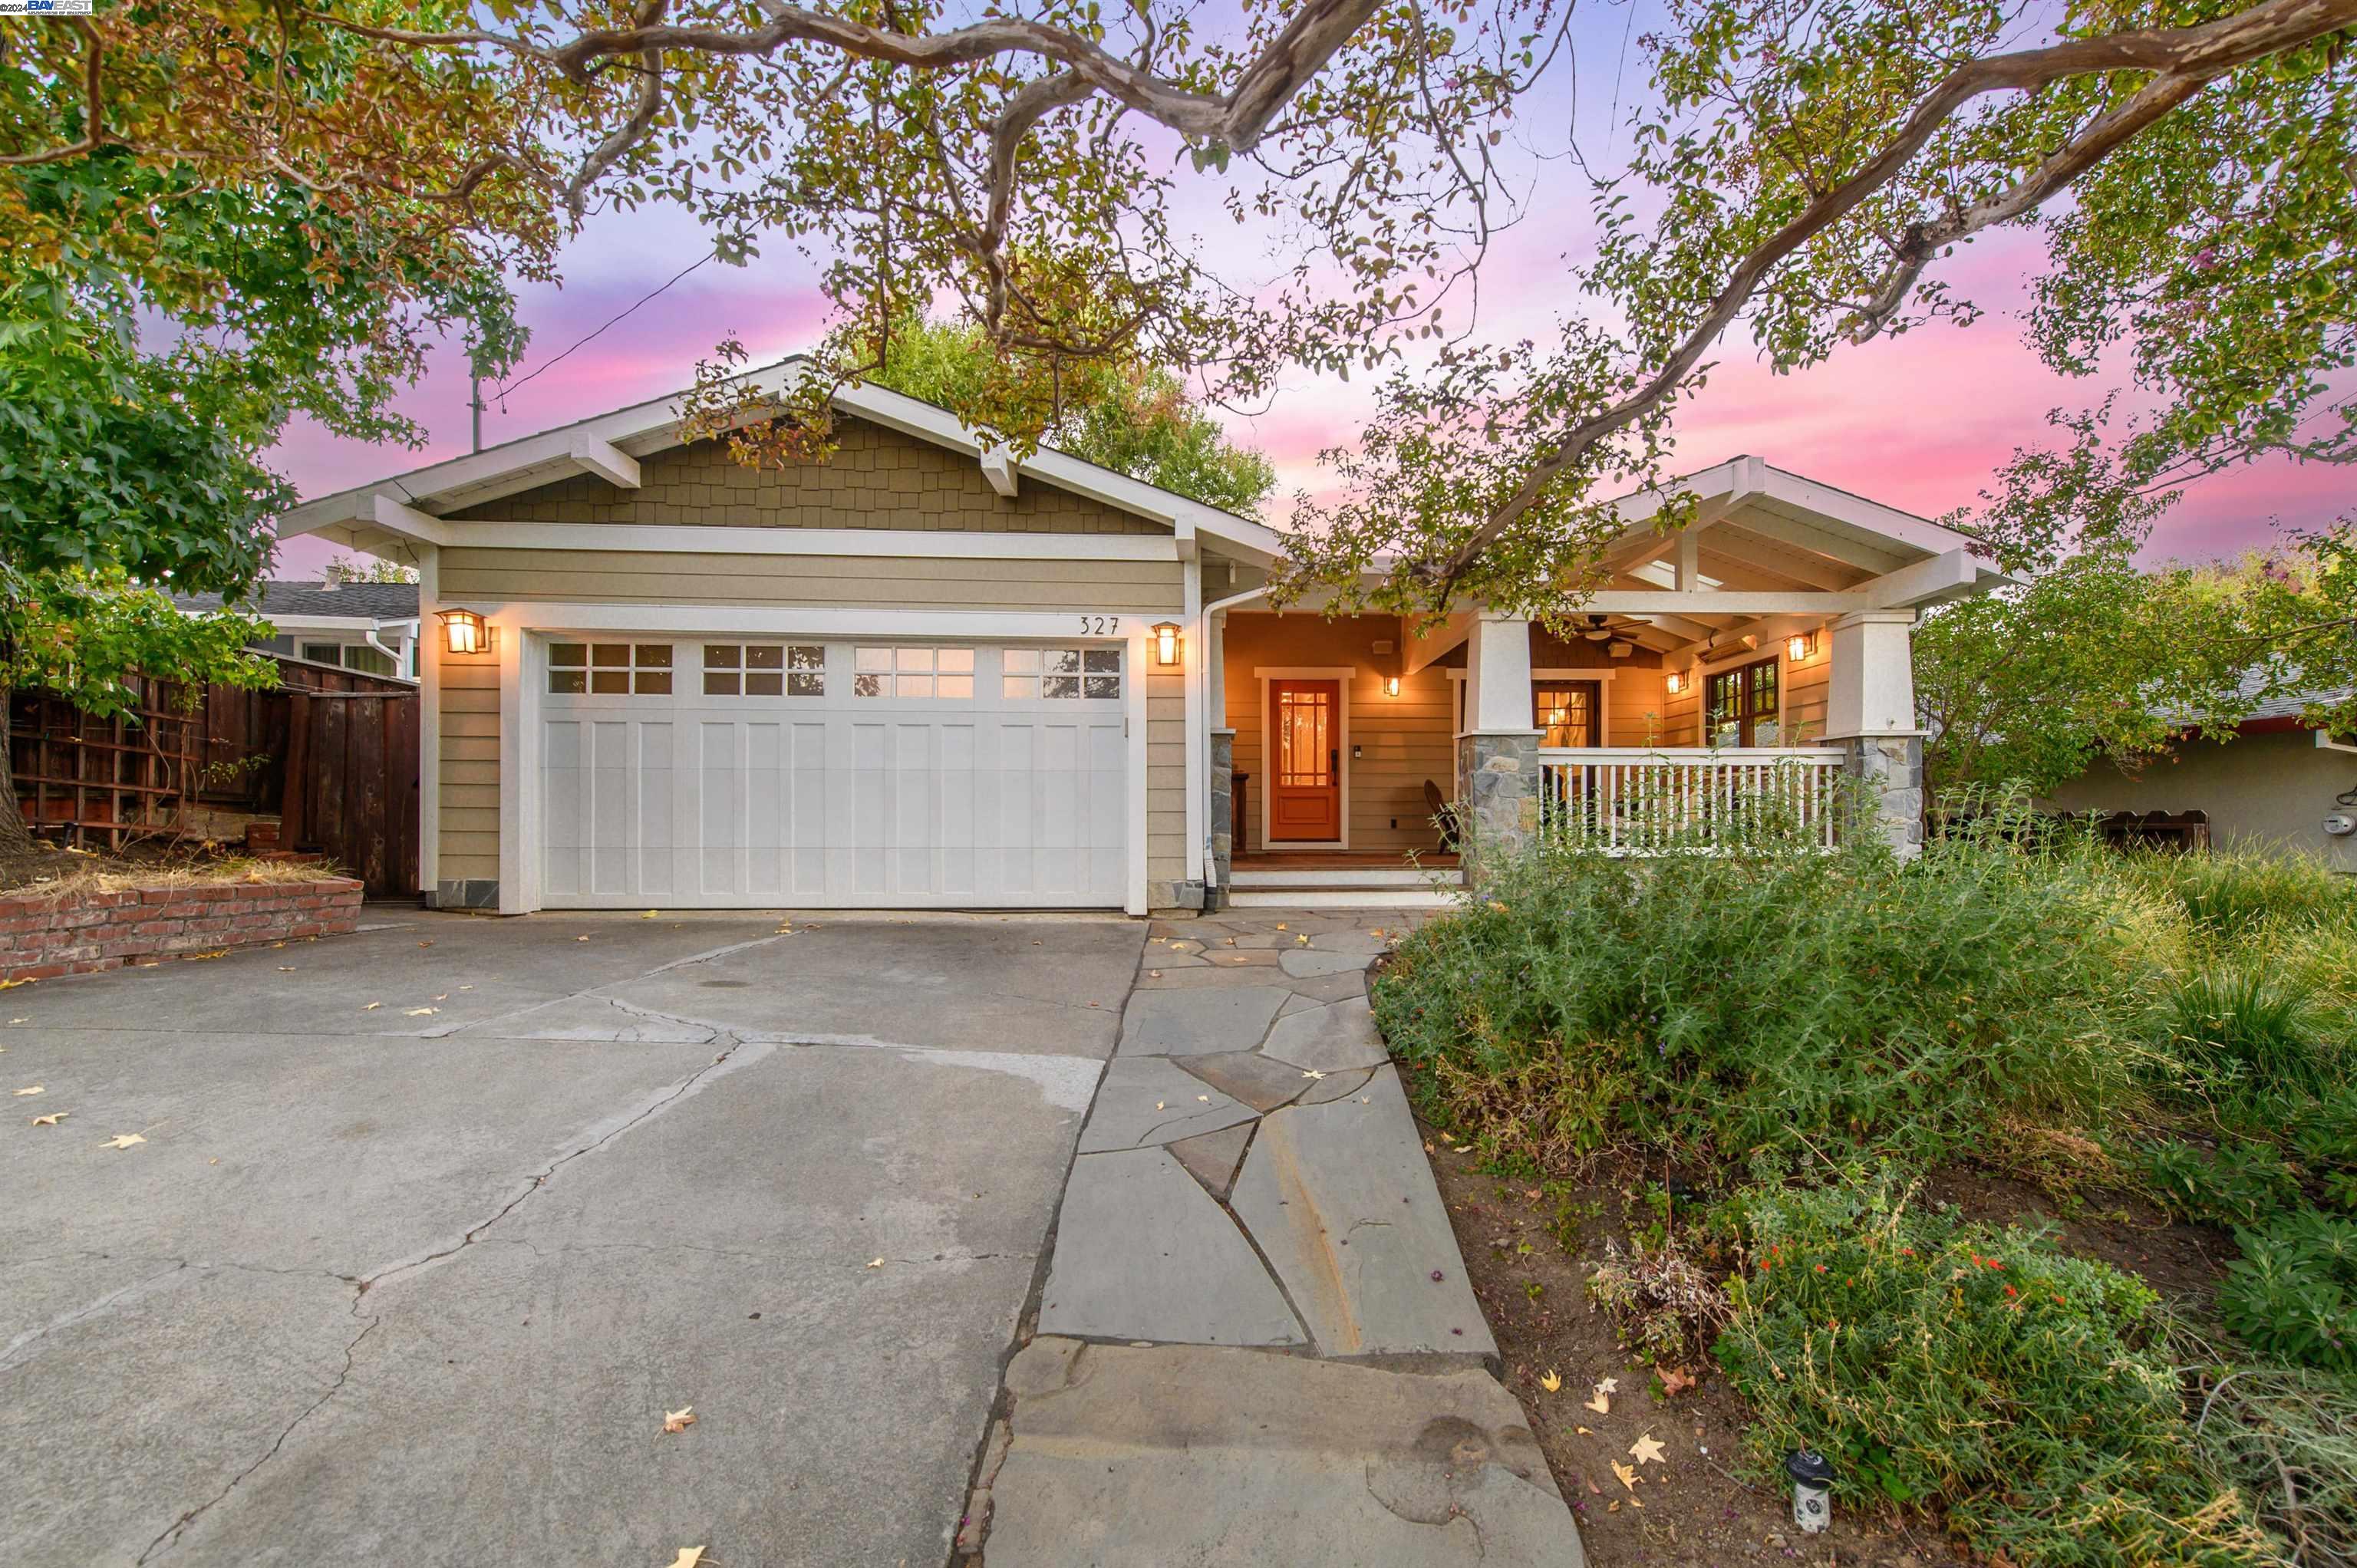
[(464, 631), (1676, 682), (1166, 643), (1802, 645), (1391, 685)]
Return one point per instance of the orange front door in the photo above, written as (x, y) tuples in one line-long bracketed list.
[(1304, 797)]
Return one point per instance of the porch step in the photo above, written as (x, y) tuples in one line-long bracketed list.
[(1347, 876), (1339, 898)]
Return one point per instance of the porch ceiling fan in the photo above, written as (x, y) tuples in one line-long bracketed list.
[(1602, 628)]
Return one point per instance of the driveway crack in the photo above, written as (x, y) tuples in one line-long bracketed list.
[(685, 1087), (180, 1525)]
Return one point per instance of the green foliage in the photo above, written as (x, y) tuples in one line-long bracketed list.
[(2292, 1295), (2240, 1182), (2240, 1029), (1125, 415), (1983, 1370), (1708, 1007), (81, 634), (2235, 895)]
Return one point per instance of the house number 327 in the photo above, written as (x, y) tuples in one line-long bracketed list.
[(1100, 626)]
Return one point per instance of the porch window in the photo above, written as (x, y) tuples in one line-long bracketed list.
[(1742, 705), (1565, 711)]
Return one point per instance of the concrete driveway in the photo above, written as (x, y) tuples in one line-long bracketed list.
[(389, 1285)]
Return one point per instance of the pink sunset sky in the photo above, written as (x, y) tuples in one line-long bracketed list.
[(1920, 422)]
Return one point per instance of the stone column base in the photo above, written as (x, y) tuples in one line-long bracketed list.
[(1886, 773), (1497, 799)]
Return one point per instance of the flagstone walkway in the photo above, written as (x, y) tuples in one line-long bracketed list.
[(1257, 1343)]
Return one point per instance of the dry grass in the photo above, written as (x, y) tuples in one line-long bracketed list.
[(64, 873)]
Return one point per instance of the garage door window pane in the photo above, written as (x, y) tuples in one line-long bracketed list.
[(654, 655), (567, 668), (764, 683), (805, 670), (877, 659), (611, 654), (610, 682), (652, 683), (723, 655)]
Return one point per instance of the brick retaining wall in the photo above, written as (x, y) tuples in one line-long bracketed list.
[(43, 938)]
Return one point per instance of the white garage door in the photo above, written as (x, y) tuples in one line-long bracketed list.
[(814, 773)]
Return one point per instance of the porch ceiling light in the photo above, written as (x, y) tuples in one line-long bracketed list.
[(1166, 643), (464, 631)]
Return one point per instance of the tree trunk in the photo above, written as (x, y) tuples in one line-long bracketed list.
[(16, 839)]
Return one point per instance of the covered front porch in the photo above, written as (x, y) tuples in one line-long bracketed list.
[(1748, 662)]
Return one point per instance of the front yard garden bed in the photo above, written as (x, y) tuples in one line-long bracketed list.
[(2020, 1182), (106, 922)]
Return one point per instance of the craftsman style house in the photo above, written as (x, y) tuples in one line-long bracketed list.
[(927, 674)]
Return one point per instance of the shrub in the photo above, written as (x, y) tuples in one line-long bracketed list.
[(2292, 1295), (2240, 1184), (1708, 1007), (1979, 1371)]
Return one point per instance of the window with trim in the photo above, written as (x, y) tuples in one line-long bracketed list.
[(1029, 672), (942, 673), (1741, 705), (351, 656), (611, 669), (1564, 712), (764, 670)]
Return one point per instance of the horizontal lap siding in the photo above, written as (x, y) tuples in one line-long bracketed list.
[(1166, 853), (1635, 708), (469, 765), (851, 581)]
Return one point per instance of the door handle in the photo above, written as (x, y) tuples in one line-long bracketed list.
[(1334, 763)]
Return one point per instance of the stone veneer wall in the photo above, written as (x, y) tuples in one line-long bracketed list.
[(1886, 770), (42, 938)]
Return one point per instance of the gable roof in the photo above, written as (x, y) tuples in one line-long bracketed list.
[(411, 505)]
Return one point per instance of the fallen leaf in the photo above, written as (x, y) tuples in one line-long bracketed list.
[(12, 984), (285, 969), (52, 1119), (34, 1088), (581, 938), (876, 1262), (1204, 1097), (1607, 1386), (648, 916), (678, 1420), (1602, 1404), (1311, 1072), (689, 1557), (371, 1007), (200, 957), (427, 943), (444, 998), (1158, 1105), (123, 1141), (420, 1012), (1627, 1473), (1552, 1382), (1648, 1449), (1676, 1381), (1584, 1431)]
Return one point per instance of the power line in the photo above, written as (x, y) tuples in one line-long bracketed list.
[(507, 387)]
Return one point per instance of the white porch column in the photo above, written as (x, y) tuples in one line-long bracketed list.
[(1498, 752), (1870, 710), (1498, 676), (1223, 770), (1215, 663)]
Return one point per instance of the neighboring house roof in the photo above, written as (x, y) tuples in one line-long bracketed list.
[(313, 601)]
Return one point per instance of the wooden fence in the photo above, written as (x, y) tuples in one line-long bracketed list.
[(332, 752)]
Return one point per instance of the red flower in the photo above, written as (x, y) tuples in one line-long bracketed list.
[(2010, 1291)]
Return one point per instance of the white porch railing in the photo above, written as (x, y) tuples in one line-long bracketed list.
[(1639, 801)]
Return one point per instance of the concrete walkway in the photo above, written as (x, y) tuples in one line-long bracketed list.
[(1256, 1343)]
